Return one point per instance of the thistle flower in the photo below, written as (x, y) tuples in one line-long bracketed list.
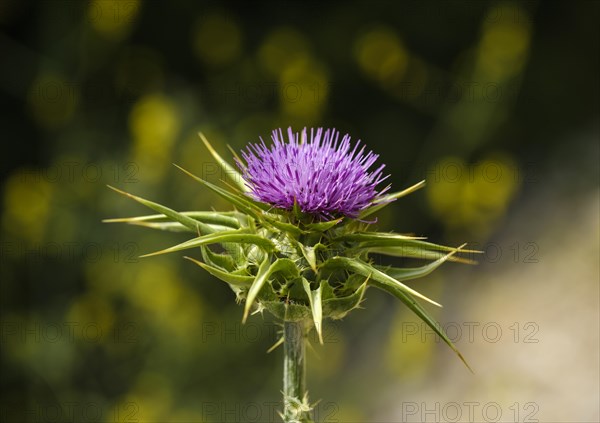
[(297, 243), (320, 175)]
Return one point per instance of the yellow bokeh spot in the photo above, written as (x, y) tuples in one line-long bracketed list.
[(44, 346), (27, 201), (94, 318), (445, 188), (472, 197), (157, 288), (154, 125), (304, 89), (504, 44), (282, 47), (112, 18), (52, 100), (150, 400), (108, 275), (217, 39), (381, 55)]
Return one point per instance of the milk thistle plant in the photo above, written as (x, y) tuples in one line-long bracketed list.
[(298, 242)]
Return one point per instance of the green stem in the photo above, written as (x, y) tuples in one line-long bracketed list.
[(295, 400)]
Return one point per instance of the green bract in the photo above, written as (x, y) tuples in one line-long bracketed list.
[(296, 266)]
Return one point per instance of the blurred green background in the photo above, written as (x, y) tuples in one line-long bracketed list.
[(494, 103)]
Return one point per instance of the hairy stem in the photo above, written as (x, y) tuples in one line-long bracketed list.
[(295, 400)]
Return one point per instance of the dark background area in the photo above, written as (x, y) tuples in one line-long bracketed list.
[(494, 103)]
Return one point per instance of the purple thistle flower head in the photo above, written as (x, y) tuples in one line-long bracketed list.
[(324, 176)]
